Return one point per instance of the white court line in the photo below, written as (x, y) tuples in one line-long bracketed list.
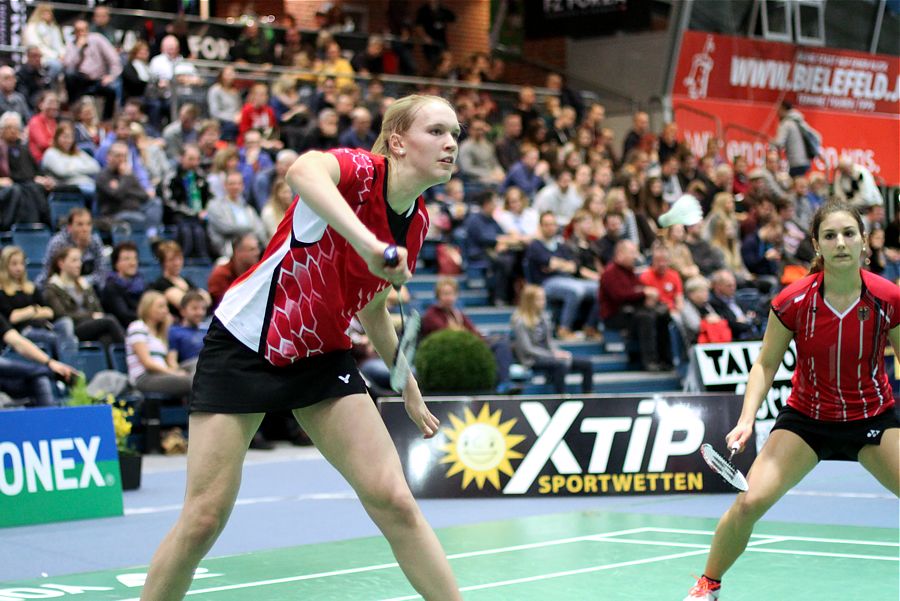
[(324, 496), (499, 550), (762, 539), (805, 539), (842, 495), (566, 573)]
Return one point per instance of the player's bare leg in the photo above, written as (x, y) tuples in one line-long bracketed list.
[(783, 461), (883, 461), (215, 459), (351, 435)]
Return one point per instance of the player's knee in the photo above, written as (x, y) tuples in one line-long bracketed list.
[(202, 524), (396, 501), (751, 507)]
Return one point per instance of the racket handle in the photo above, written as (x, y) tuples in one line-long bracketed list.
[(391, 256), (734, 449), (392, 259)]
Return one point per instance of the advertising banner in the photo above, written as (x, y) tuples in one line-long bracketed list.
[(551, 446), (729, 88), (58, 464)]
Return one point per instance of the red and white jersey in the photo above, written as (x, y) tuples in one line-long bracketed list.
[(840, 373), (299, 299)]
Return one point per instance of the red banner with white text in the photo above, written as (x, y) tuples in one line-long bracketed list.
[(730, 87)]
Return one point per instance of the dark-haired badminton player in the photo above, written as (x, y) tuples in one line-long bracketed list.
[(841, 406), (278, 341)]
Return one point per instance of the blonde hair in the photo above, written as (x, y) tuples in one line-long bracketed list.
[(277, 187), (445, 281), (528, 310), (399, 118), (160, 331), (7, 283)]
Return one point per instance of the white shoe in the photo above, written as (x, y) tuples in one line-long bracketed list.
[(704, 590)]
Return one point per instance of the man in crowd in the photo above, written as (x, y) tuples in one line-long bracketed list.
[(244, 255), (92, 67)]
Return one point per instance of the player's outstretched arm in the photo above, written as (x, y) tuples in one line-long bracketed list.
[(762, 374), (315, 176), (379, 327)]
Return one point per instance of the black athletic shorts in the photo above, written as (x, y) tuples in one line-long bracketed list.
[(231, 378), (838, 441)]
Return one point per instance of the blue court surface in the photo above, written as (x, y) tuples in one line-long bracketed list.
[(298, 531)]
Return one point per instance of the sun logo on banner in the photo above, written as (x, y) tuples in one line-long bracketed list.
[(481, 447)]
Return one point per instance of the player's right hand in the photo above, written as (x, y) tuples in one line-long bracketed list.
[(397, 275), (739, 436)]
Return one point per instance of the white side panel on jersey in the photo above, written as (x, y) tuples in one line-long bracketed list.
[(308, 227), (248, 300)]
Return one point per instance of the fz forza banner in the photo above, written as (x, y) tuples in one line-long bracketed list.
[(549, 446), (729, 88)]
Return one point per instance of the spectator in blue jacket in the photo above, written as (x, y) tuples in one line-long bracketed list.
[(186, 338), (527, 173), (487, 244)]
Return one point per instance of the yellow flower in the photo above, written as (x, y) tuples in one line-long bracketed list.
[(121, 425)]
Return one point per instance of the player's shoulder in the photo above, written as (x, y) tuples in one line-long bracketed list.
[(797, 290), (358, 157), (881, 287)]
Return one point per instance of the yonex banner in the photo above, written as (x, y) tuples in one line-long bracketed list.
[(728, 87), (552, 446), (58, 464)]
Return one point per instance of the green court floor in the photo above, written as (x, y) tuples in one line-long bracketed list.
[(576, 556)]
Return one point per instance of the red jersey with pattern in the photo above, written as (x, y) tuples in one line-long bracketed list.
[(840, 373), (299, 299)]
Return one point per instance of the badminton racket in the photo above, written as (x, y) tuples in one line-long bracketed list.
[(409, 332), (724, 467)]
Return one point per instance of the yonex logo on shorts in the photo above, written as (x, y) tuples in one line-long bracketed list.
[(345, 378), (873, 433)]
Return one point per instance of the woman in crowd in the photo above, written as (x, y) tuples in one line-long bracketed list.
[(43, 31), (151, 367), (224, 100), (535, 348), (153, 156), (274, 210), (71, 296), (69, 164), (171, 283), (841, 406), (23, 306), (88, 131)]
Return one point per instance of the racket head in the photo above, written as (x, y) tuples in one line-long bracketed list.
[(723, 467), (406, 350)]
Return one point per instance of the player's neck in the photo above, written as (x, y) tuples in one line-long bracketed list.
[(402, 189), (842, 283)]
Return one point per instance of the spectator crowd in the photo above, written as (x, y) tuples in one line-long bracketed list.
[(561, 217)]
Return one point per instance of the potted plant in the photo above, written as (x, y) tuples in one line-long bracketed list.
[(455, 361), (130, 461)]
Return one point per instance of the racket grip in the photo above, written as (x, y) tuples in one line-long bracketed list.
[(392, 259), (391, 256)]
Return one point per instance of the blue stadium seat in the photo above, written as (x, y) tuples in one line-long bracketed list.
[(197, 273), (91, 359), (33, 238), (60, 206), (123, 232), (117, 357)]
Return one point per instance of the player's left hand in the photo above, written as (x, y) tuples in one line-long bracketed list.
[(420, 415), (397, 275)]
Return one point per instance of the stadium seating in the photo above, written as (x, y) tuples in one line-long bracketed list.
[(33, 238)]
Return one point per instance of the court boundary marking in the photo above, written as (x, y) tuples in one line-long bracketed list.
[(606, 537)]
